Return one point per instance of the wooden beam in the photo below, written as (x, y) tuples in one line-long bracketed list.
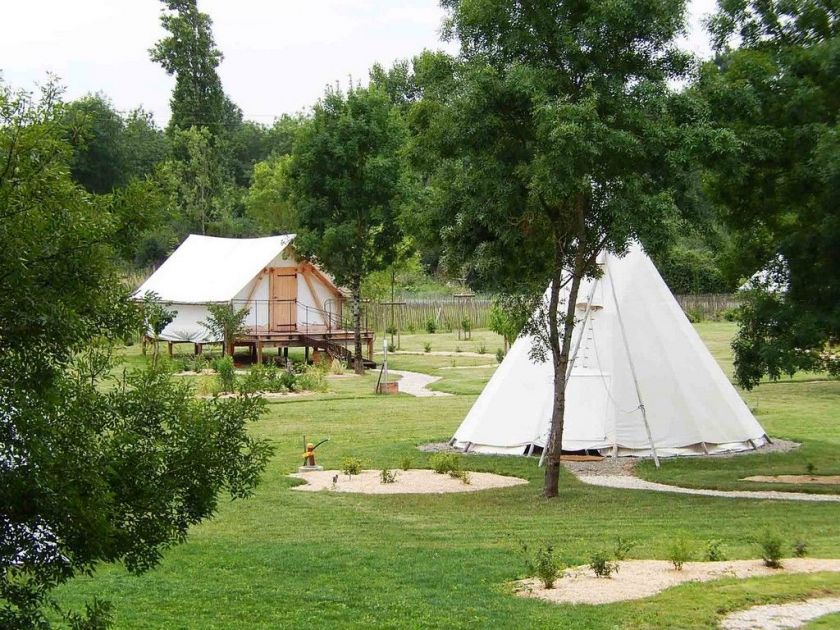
[(323, 278), (308, 280)]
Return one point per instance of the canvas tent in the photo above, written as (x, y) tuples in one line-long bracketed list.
[(283, 294), (641, 380)]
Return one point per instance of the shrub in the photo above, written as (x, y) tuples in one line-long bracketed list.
[(391, 347), (463, 475), (694, 315), (679, 553), (714, 551), (729, 314), (431, 326), (771, 549), (387, 476), (312, 379), (391, 330), (623, 546), (405, 463), (547, 566), (810, 468), (500, 355), (412, 329), (800, 549), (351, 466), (466, 325), (458, 349), (601, 565), (427, 347), (226, 373), (443, 463), (482, 348), (337, 367)]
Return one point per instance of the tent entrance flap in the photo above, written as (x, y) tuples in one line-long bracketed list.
[(283, 304)]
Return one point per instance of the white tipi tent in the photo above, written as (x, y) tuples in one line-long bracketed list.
[(641, 383)]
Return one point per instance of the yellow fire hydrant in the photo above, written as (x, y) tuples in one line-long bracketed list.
[(309, 455)]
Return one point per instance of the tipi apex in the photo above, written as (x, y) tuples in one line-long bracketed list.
[(641, 380)]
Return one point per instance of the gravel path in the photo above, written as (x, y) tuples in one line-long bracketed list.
[(441, 353), (416, 383), (634, 483), (776, 617)]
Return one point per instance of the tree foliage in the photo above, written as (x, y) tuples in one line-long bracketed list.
[(87, 474), (777, 93), (346, 182)]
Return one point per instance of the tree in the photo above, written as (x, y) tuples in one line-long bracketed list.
[(267, 201), (776, 93), (88, 474), (95, 130), (552, 138), (346, 182), (189, 53)]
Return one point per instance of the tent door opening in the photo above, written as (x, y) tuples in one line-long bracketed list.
[(283, 299)]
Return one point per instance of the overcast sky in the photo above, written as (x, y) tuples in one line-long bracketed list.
[(279, 54)]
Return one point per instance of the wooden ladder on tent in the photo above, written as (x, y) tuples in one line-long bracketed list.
[(335, 350)]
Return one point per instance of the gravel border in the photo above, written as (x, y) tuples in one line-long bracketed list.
[(778, 616), (416, 384)]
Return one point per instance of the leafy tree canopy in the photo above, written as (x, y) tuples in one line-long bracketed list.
[(88, 474), (777, 93)]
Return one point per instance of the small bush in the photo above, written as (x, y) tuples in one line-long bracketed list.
[(500, 355), (729, 314), (226, 374), (482, 348), (679, 553), (351, 466), (714, 551), (623, 546), (391, 330), (405, 463), (463, 475), (312, 379), (391, 347), (431, 326), (412, 329), (387, 476), (771, 549), (427, 347), (601, 565), (466, 325), (443, 463), (810, 468), (547, 566), (337, 367), (800, 549), (694, 315)]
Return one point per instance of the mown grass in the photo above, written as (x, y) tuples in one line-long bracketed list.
[(322, 560)]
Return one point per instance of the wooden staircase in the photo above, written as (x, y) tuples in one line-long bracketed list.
[(335, 350)]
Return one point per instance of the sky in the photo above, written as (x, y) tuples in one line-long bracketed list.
[(279, 54)]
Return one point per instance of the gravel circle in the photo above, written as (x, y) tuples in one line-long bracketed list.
[(636, 579), (778, 616), (413, 481)]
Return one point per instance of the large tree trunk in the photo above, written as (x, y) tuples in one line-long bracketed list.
[(358, 366)]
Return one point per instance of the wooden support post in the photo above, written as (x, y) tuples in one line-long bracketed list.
[(306, 354), (169, 347), (286, 352), (196, 349), (253, 348), (370, 349), (259, 351)]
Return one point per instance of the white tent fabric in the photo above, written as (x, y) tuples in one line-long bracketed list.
[(632, 327), (210, 269)]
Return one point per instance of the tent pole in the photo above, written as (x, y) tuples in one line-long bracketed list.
[(632, 367), (573, 356)]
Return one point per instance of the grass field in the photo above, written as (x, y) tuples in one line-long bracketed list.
[(284, 559)]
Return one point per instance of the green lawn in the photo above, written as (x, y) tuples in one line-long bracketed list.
[(321, 560)]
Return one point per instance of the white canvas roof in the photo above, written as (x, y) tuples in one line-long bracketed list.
[(633, 333), (211, 269)]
